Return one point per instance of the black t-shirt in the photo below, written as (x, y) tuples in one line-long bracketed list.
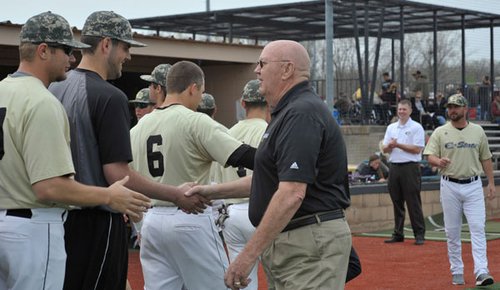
[(303, 143), (100, 123)]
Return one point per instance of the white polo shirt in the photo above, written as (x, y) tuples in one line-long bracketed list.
[(411, 133)]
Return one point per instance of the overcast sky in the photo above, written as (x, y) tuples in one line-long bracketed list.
[(18, 11)]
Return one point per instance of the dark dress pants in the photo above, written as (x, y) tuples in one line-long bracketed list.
[(404, 186)]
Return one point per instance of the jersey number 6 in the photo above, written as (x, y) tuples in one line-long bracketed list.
[(155, 158)]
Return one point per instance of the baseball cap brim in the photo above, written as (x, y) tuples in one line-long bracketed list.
[(74, 44), (136, 101), (133, 43), (455, 104), (148, 78)]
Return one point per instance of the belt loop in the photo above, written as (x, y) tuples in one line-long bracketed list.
[(318, 220)]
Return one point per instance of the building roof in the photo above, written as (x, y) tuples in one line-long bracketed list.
[(306, 20)]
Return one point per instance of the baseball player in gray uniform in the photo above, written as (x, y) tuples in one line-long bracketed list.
[(237, 228), (460, 150), (174, 144), (36, 184)]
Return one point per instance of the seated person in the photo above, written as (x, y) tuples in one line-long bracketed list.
[(375, 168), (389, 90), (343, 104), (495, 109), (420, 113), (438, 107)]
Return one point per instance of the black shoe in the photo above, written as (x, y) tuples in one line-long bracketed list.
[(419, 241), (395, 239)]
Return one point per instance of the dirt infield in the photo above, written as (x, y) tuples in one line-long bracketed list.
[(391, 267)]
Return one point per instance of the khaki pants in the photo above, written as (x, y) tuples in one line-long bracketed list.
[(311, 257)]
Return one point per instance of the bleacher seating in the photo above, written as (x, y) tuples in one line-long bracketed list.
[(493, 133)]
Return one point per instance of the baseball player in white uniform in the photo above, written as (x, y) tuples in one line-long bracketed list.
[(36, 180), (460, 150), (237, 228), (174, 144)]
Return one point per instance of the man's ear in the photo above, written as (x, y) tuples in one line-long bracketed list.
[(105, 45), (43, 50), (192, 89), (288, 70)]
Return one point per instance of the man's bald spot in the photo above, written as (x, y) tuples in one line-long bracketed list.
[(294, 52)]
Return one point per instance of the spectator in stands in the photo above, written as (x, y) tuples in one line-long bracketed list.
[(374, 168), (422, 85), (420, 112), (440, 105), (389, 90), (437, 108), (356, 97), (344, 105), (495, 109), (486, 81)]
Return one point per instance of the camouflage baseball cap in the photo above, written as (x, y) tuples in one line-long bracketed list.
[(50, 28), (251, 92), (110, 24), (142, 97), (207, 102), (158, 75), (457, 100)]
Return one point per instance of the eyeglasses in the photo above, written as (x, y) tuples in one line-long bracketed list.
[(68, 50), (262, 63), (142, 105)]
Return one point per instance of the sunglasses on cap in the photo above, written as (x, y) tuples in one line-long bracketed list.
[(142, 105)]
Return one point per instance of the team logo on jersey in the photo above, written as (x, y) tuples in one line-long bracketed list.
[(294, 166), (461, 144)]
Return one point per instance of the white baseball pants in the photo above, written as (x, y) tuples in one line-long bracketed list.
[(237, 232), (32, 253), (181, 249), (469, 199)]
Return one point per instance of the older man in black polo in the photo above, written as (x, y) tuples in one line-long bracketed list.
[(299, 189)]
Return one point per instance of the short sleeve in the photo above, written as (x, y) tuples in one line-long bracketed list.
[(46, 150)]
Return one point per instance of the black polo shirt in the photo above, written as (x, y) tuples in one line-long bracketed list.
[(302, 143)]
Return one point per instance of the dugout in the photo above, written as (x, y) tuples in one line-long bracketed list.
[(227, 67)]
